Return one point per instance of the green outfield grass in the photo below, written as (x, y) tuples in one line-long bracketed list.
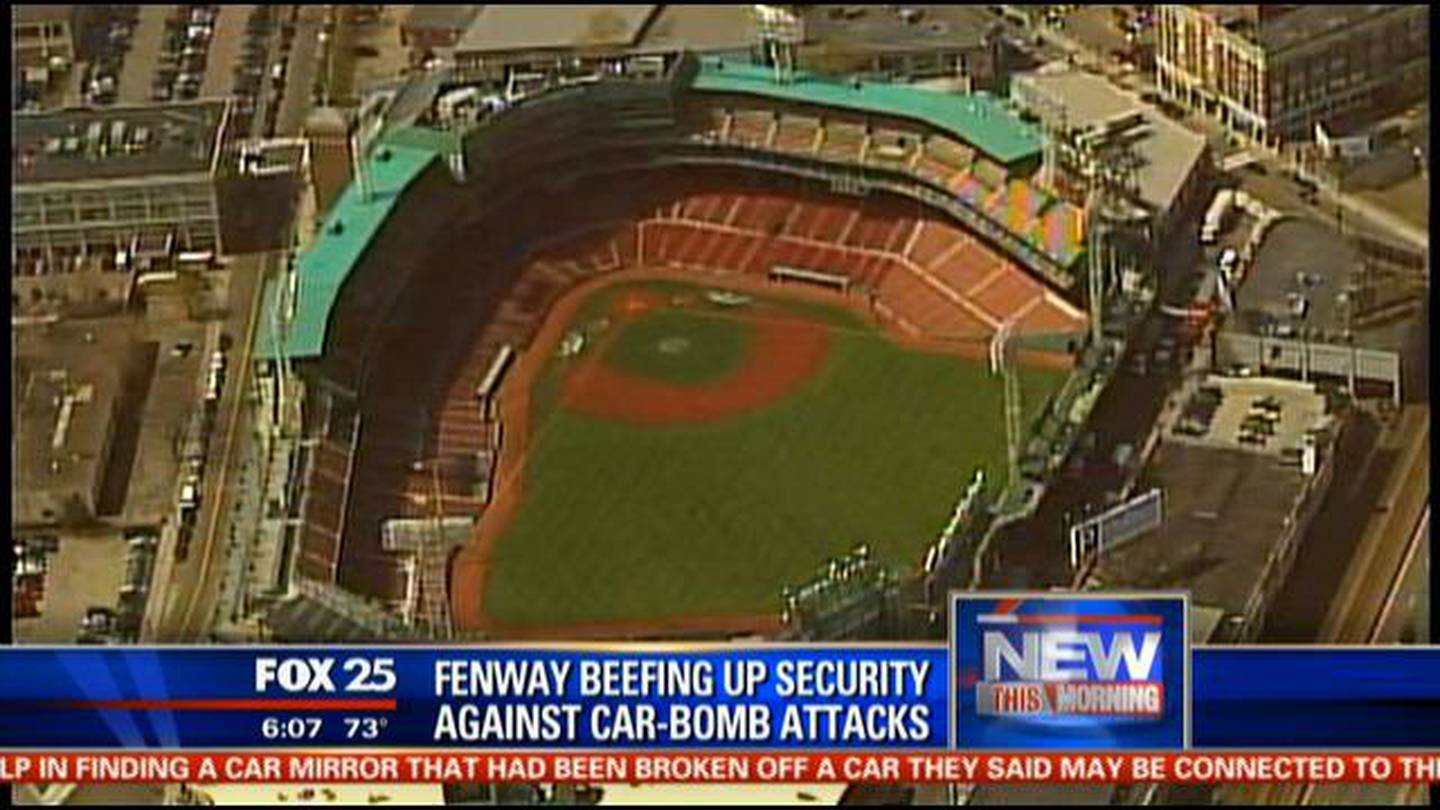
[(623, 522)]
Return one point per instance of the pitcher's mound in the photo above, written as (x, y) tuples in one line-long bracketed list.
[(674, 345)]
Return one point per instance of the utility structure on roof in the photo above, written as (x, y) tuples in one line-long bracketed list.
[(780, 32), (369, 124), (1100, 161), (1108, 165)]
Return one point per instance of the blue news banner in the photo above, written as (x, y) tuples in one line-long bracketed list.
[(675, 698)]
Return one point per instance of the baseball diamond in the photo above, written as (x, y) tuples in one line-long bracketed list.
[(651, 494)]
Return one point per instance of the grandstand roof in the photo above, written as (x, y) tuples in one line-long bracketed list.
[(334, 253), (978, 120)]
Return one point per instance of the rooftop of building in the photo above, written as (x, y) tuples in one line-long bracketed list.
[(1300, 257), (1240, 18), (1305, 23), (978, 120), (118, 142), (946, 28), (502, 28), (441, 16), (1227, 509), (1169, 153), (67, 381), (697, 27)]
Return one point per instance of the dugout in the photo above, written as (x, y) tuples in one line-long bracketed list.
[(833, 281), (485, 391)]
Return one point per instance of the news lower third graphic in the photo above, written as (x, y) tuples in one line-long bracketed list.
[(1032, 672), (878, 697), (1071, 671)]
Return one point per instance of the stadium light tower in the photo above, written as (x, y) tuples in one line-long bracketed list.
[(1002, 363), (780, 31), (1054, 122), (1109, 165), (1095, 236), (369, 124)]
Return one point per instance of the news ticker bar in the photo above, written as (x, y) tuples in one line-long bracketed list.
[(618, 697), (716, 768)]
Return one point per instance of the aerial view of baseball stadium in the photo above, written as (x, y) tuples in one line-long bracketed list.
[(707, 403), (668, 347)]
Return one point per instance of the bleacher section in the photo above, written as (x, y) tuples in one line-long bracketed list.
[(752, 128), (797, 133), (842, 142), (892, 150), (942, 160), (323, 511), (927, 273)]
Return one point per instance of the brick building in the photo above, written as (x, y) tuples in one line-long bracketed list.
[(1271, 73)]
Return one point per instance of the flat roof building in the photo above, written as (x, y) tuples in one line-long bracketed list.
[(963, 43), (67, 388), (506, 39), (437, 26), (500, 29), (1234, 511), (136, 179), (1172, 175)]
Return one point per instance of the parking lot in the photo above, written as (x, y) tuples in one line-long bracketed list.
[(80, 573), (182, 52), (1266, 416), (109, 43)]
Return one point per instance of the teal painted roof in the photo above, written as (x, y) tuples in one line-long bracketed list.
[(980, 121), (323, 268)]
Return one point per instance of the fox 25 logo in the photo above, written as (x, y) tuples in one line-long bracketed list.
[(1070, 671)]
